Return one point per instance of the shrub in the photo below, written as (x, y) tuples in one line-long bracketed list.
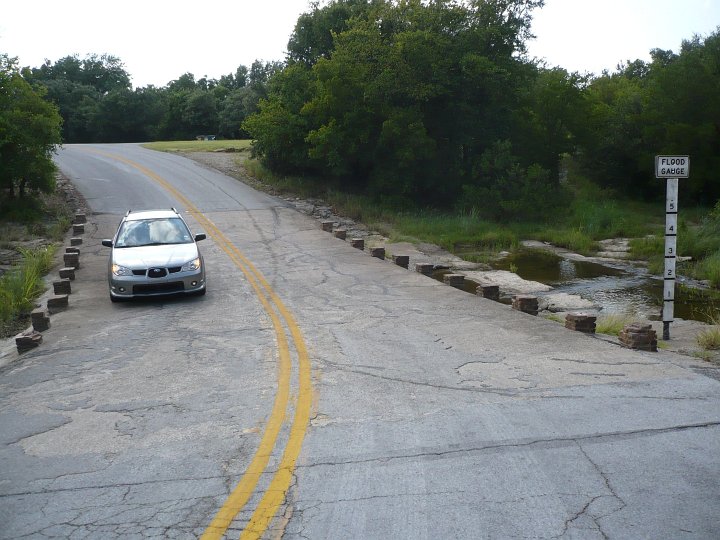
[(503, 190)]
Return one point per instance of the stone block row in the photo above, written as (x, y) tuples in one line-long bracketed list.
[(634, 336), (40, 317)]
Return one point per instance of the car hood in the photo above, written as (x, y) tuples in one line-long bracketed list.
[(161, 256)]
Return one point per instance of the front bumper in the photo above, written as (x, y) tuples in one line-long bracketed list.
[(143, 286)]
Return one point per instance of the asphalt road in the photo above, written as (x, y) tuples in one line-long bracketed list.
[(317, 392)]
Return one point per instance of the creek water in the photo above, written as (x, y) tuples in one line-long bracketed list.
[(620, 288)]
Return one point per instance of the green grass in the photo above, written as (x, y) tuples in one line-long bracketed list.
[(703, 355), (709, 269), (573, 239), (200, 146), (22, 284), (709, 339), (613, 323)]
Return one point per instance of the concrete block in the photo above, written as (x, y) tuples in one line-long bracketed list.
[(72, 249), (72, 260), (340, 233), (80, 218), (28, 340), (76, 241), (67, 273), (378, 252), (327, 226), (454, 280), (491, 292), (581, 322), (358, 243), (78, 228), (639, 336), (425, 269), (62, 286), (401, 260), (525, 303), (57, 303), (40, 320)]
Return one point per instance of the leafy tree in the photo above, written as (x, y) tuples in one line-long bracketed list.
[(77, 86), (128, 116), (553, 117), (278, 127), (505, 190), (200, 113), (406, 98), (244, 100), (668, 106), (312, 37), (29, 131)]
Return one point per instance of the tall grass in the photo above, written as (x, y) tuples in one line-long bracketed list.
[(574, 239), (613, 323), (20, 286), (709, 339), (709, 269)]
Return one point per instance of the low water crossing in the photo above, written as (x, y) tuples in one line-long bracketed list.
[(617, 288)]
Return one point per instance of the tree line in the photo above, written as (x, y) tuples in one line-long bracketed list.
[(421, 103), (98, 104), (437, 103)]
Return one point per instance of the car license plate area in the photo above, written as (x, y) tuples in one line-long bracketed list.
[(159, 288)]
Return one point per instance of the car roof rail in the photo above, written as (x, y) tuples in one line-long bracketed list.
[(127, 213), (174, 210)]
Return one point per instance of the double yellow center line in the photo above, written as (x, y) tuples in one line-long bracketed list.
[(281, 320)]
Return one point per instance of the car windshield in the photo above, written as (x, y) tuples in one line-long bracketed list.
[(153, 232)]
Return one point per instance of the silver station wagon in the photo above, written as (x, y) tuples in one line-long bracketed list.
[(154, 254)]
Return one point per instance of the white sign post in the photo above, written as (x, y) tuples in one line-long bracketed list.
[(672, 168)]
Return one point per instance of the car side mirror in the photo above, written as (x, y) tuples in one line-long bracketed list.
[(107, 243), (200, 236)]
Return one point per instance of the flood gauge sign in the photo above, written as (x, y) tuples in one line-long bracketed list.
[(672, 168)]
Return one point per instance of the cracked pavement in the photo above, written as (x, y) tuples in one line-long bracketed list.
[(437, 414)]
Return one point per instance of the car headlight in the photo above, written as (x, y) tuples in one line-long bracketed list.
[(191, 266), (121, 270)]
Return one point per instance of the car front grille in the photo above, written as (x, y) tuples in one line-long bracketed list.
[(157, 272), (159, 288)]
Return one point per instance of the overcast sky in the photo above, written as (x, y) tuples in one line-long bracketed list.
[(159, 40)]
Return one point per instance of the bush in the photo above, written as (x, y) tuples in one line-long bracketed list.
[(503, 190)]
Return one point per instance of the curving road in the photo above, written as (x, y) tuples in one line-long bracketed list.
[(316, 392)]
